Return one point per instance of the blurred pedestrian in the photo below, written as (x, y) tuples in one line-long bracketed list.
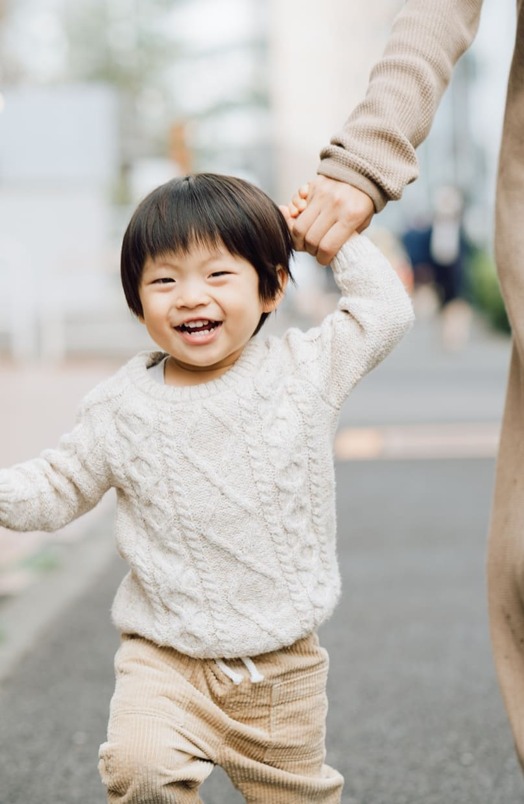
[(448, 252), (368, 164), (439, 252), (219, 445), (416, 240)]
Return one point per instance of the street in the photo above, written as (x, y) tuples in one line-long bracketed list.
[(415, 712)]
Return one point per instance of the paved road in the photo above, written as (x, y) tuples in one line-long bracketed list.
[(415, 714)]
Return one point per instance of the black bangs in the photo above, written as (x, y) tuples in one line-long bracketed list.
[(207, 210)]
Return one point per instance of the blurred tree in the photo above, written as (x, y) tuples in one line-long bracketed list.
[(485, 290), (128, 44), (124, 42), (10, 68)]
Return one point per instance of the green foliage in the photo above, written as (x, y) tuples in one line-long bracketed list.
[(131, 46), (45, 560), (129, 50), (485, 290)]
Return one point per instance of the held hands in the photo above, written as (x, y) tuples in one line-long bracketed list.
[(324, 214)]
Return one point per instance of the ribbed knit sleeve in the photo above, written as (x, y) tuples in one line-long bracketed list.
[(48, 492), (375, 150), (374, 313)]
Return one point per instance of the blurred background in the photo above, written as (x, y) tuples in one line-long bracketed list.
[(101, 100)]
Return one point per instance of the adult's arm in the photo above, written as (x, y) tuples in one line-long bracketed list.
[(375, 152)]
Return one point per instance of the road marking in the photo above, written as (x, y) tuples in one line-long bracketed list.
[(418, 441)]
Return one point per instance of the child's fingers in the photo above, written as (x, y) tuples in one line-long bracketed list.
[(286, 212), (290, 220), (293, 210), (296, 206), (298, 203)]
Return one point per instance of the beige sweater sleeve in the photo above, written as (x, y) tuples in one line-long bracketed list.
[(375, 151)]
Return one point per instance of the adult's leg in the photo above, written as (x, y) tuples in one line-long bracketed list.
[(506, 542), (506, 557)]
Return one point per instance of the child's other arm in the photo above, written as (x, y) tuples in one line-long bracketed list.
[(374, 312), (373, 297), (48, 492)]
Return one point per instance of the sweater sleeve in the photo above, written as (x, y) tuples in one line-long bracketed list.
[(61, 484), (374, 313), (375, 150)]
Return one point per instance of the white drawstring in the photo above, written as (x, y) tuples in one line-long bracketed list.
[(237, 678), (254, 675)]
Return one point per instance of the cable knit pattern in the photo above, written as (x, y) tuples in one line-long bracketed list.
[(225, 490)]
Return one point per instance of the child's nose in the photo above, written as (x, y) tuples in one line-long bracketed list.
[(192, 294)]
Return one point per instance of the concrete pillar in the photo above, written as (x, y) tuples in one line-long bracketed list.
[(320, 58)]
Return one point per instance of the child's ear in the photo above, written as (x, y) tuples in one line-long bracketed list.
[(271, 305)]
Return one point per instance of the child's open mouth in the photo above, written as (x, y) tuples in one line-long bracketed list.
[(198, 329)]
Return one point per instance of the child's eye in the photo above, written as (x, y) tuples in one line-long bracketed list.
[(220, 273), (163, 280)]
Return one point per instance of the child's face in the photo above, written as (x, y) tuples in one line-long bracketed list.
[(201, 307)]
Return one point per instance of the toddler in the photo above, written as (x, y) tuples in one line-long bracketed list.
[(219, 446)]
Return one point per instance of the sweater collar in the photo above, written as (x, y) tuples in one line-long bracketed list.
[(141, 379)]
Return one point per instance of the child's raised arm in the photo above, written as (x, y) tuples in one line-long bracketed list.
[(374, 312)]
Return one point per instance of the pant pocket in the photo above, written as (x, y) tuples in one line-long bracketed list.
[(298, 718)]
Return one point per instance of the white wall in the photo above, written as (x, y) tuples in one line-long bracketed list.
[(58, 133), (58, 159), (321, 55)]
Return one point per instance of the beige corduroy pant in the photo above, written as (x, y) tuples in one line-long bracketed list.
[(173, 718)]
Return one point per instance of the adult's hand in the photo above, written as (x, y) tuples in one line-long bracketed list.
[(326, 213)]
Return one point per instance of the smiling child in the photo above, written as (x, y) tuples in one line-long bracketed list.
[(219, 446)]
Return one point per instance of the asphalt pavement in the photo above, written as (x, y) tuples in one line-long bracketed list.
[(415, 712)]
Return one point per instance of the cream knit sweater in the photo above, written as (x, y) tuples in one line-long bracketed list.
[(226, 501)]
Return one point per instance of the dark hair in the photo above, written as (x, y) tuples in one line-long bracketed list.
[(207, 209)]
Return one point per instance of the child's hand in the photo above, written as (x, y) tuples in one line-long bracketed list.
[(293, 210), (299, 201)]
